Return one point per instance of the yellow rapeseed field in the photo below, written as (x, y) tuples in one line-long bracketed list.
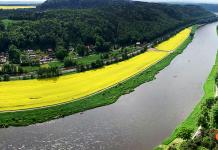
[(175, 41), (20, 94), (16, 7)]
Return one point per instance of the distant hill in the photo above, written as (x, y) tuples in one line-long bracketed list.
[(112, 22), (78, 3), (210, 7)]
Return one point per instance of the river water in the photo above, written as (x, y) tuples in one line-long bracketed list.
[(137, 121)]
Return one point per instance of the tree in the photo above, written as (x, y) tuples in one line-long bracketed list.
[(25, 60), (188, 145), (6, 77), (101, 45), (69, 62), (48, 72), (82, 50), (185, 133), (215, 116), (97, 64), (80, 67), (124, 54), (61, 53), (14, 54), (2, 26)]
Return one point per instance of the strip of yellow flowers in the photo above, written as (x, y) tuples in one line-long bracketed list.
[(173, 42), (30, 94), (16, 7)]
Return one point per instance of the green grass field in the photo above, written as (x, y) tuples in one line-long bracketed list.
[(88, 59)]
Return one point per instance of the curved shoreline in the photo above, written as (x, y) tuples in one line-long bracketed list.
[(105, 97), (209, 91)]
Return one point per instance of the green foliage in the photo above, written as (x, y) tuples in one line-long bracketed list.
[(2, 26), (101, 45), (188, 145), (48, 72), (14, 54), (11, 69), (82, 50), (185, 133), (215, 116), (69, 62), (206, 140), (61, 53), (119, 24), (6, 77), (99, 63)]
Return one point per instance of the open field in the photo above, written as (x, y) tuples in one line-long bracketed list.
[(16, 7), (174, 42), (40, 93), (106, 97), (19, 95)]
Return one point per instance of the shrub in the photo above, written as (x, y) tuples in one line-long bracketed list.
[(48, 72), (185, 133), (69, 62), (6, 77)]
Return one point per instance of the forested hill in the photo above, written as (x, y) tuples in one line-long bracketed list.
[(51, 4), (120, 24), (210, 7)]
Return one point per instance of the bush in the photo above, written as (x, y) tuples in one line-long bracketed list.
[(48, 72), (215, 116), (97, 64), (80, 67), (82, 50), (11, 69), (69, 62), (185, 133), (188, 145), (6, 77), (61, 53)]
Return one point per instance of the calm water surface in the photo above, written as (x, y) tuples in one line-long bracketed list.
[(137, 121)]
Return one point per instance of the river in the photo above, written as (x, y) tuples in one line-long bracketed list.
[(137, 121)]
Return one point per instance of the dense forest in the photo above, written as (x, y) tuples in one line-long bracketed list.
[(119, 23), (58, 4)]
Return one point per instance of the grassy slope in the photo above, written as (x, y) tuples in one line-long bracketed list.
[(209, 92), (106, 97)]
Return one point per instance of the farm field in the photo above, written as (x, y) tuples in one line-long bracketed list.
[(16, 7), (175, 41), (29, 94)]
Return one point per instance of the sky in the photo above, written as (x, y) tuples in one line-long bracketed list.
[(190, 1), (184, 1)]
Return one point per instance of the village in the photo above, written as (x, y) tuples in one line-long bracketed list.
[(43, 58)]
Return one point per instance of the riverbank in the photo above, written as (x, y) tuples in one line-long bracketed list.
[(191, 122), (106, 97)]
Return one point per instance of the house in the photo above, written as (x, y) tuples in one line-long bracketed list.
[(31, 53), (45, 60), (51, 53), (138, 43), (3, 59)]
